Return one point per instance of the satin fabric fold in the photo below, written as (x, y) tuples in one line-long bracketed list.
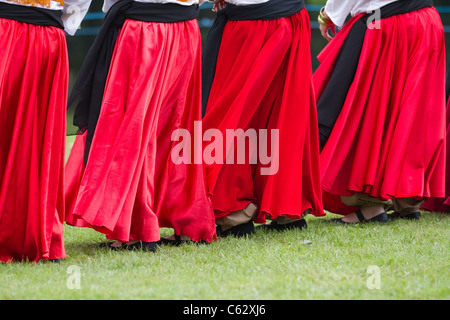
[(333, 96), (443, 204), (270, 10), (388, 141), (33, 95), (263, 81), (85, 99), (131, 187)]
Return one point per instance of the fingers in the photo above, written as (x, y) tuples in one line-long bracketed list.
[(333, 29), (324, 30), (326, 25)]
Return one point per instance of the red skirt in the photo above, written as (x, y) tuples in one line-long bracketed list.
[(131, 187), (33, 95), (263, 81), (442, 204), (389, 139)]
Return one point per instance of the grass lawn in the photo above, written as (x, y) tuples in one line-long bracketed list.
[(398, 260), (326, 261)]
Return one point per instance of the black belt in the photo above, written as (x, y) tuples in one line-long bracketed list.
[(87, 94), (31, 15), (333, 97), (274, 9)]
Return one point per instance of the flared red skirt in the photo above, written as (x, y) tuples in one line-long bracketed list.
[(33, 97), (132, 184), (389, 139), (262, 92), (443, 204)]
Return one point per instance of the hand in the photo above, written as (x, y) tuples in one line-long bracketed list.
[(326, 25), (218, 4), (324, 30)]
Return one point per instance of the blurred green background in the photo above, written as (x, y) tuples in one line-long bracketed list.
[(79, 44)]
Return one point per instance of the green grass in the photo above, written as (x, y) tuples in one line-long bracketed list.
[(326, 261)]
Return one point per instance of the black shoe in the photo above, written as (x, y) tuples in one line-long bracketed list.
[(58, 261), (273, 225), (109, 245), (382, 217), (241, 230), (144, 246), (410, 216), (177, 242)]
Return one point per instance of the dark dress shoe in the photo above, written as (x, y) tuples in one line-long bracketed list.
[(109, 245), (382, 217), (241, 230), (144, 246), (55, 260), (273, 225), (409, 216), (176, 242)]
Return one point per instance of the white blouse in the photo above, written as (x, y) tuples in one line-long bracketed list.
[(107, 4), (338, 10), (74, 12)]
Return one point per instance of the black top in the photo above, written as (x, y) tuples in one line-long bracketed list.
[(31, 15)]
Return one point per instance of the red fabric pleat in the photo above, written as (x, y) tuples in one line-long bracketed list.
[(130, 187), (442, 204), (263, 81), (33, 94), (389, 139)]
